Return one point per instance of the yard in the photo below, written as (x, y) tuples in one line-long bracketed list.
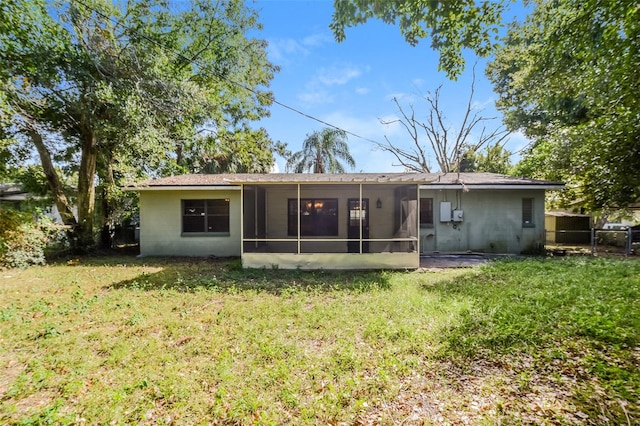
[(156, 341)]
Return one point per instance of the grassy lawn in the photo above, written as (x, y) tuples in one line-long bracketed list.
[(155, 341)]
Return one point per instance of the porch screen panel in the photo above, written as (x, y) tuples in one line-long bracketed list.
[(406, 201), (318, 217)]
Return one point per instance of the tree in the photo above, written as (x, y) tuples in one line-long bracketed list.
[(435, 137), (322, 152), (452, 25), (568, 79), (243, 151), (111, 89), (491, 159)]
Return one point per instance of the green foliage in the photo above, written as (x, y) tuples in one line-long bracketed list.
[(115, 90), (240, 151), (23, 240), (452, 25), (321, 153), (492, 159), (567, 78)]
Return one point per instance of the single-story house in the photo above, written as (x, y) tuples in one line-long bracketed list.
[(340, 221), (13, 196)]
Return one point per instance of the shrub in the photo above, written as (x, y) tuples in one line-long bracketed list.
[(23, 239)]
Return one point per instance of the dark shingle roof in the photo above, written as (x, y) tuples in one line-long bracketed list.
[(436, 179)]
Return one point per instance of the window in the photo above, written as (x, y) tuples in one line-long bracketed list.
[(211, 216), (527, 213), (318, 217), (426, 211)]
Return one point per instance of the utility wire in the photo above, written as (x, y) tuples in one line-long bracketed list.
[(195, 61)]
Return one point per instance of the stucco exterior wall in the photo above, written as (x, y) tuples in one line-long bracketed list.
[(161, 225), (492, 222)]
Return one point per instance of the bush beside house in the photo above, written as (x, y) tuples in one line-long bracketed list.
[(25, 239)]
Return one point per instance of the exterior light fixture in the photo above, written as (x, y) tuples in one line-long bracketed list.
[(379, 203)]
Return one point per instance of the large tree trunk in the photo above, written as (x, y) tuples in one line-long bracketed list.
[(60, 199), (86, 185), (107, 232)]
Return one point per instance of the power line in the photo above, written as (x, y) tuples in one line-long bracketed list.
[(195, 61)]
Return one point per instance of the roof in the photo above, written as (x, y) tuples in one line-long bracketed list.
[(425, 180), (12, 192), (565, 214)]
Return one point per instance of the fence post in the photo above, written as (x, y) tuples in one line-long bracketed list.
[(629, 241), (593, 241)]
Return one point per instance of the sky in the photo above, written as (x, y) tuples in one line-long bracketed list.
[(352, 84)]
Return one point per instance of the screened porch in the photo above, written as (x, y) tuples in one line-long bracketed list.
[(330, 225)]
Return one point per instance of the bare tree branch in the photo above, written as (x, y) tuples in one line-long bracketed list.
[(434, 137)]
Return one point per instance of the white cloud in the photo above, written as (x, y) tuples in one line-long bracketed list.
[(315, 96), (283, 49), (403, 97), (319, 88), (337, 76), (316, 40), (362, 90), (480, 105), (366, 127), (280, 50)]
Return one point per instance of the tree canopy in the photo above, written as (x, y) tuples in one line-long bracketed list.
[(116, 90), (568, 78), (321, 153), (451, 25)]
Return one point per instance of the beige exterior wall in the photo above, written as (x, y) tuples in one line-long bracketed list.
[(161, 225), (492, 222)]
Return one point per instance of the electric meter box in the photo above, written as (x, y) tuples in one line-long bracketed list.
[(458, 215), (445, 211)]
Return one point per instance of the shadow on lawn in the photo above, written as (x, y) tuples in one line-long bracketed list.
[(227, 275)]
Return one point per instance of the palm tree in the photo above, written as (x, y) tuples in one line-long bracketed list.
[(321, 152)]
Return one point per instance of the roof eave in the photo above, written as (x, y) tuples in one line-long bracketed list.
[(183, 188), (502, 186)]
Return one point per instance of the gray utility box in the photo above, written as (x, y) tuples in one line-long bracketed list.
[(445, 211)]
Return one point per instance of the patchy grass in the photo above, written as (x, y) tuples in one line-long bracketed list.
[(156, 341)]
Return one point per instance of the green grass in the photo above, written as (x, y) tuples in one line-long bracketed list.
[(156, 341)]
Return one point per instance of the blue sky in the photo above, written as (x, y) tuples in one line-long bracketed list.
[(351, 84)]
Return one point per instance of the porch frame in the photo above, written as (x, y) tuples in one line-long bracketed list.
[(300, 260)]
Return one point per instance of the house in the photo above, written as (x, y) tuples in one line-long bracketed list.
[(13, 196), (340, 221)]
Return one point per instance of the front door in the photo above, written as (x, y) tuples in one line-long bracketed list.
[(358, 215)]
